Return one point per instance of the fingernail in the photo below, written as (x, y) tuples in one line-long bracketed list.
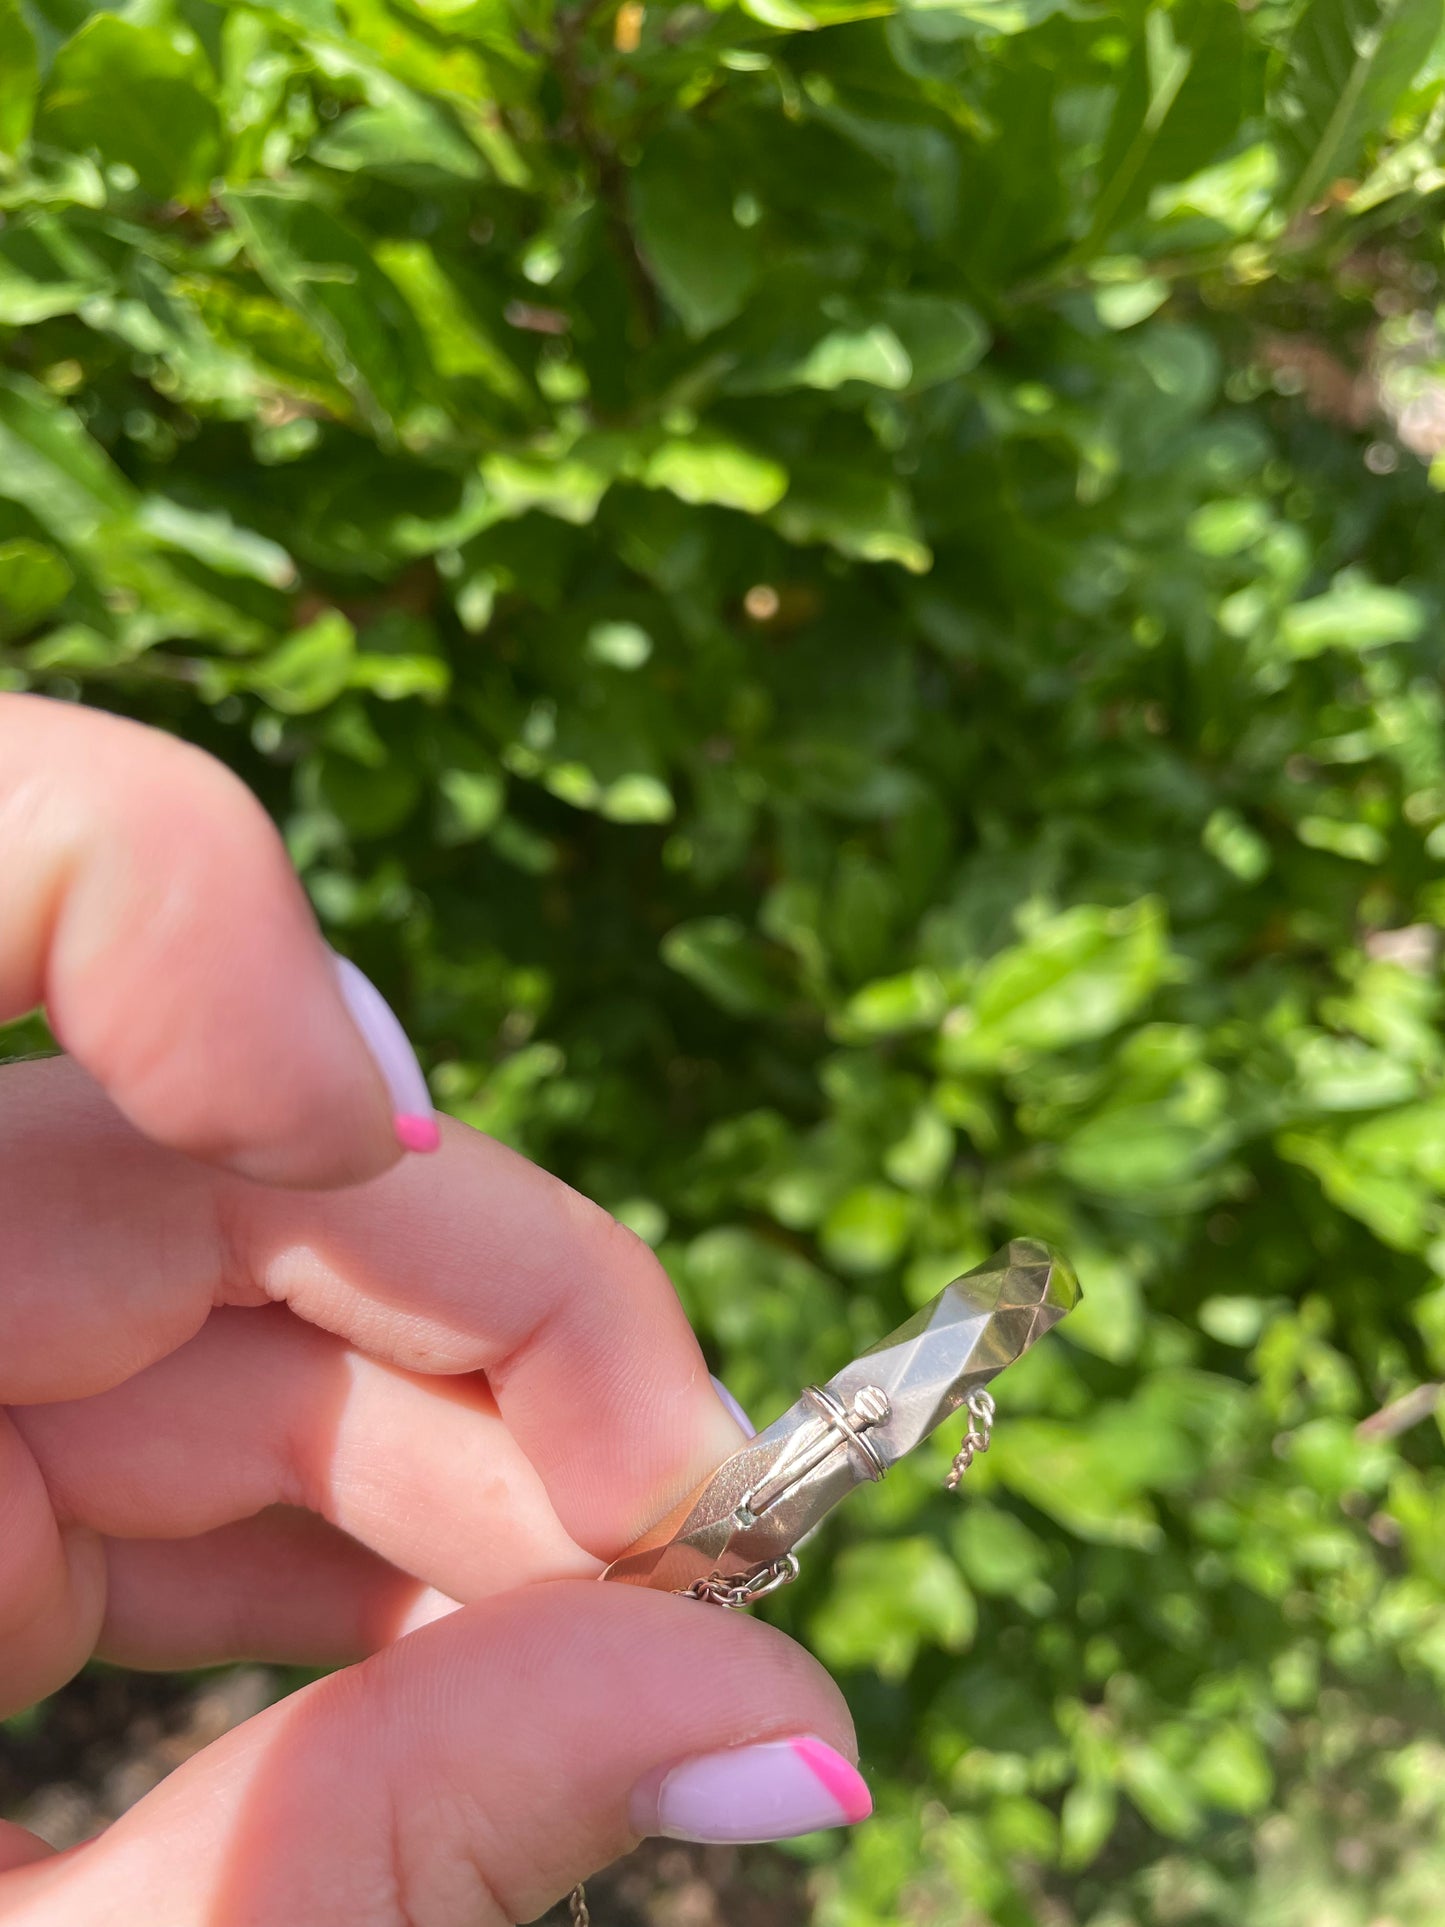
[(413, 1118), (734, 1409), (771, 1791)]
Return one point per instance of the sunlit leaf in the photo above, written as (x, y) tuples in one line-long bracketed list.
[(19, 77), (140, 97), (704, 261), (33, 579), (884, 1609), (1349, 62), (1075, 976)]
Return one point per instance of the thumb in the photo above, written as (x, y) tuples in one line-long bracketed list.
[(473, 1772), (151, 907)]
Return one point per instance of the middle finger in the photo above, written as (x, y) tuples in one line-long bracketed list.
[(260, 1409)]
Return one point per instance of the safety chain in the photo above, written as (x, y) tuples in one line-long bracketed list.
[(738, 1590), (978, 1438), (746, 1591)]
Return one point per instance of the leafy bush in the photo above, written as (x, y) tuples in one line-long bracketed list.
[(842, 603)]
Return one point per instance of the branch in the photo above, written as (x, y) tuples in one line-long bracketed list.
[(609, 176)]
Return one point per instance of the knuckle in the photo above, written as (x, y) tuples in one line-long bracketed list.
[(611, 1245)]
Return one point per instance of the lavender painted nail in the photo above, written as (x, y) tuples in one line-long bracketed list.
[(771, 1791), (733, 1408), (413, 1118)]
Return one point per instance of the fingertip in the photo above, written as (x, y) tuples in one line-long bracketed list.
[(361, 1140)]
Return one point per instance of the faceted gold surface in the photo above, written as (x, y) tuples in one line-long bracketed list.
[(926, 1369)]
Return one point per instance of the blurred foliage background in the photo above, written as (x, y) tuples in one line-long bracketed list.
[(842, 603)]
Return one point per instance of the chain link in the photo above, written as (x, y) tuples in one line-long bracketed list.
[(745, 1590), (577, 1907), (978, 1438)]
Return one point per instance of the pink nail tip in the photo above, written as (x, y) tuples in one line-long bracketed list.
[(844, 1782), (774, 1790), (417, 1133)]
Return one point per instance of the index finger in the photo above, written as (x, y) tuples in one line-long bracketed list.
[(150, 906)]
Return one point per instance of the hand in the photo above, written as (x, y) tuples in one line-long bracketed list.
[(239, 1417)]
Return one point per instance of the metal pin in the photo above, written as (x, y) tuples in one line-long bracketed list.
[(838, 1427)]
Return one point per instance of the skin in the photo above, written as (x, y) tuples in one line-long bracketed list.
[(247, 1413)]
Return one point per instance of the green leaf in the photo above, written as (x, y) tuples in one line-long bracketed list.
[(637, 798), (870, 352), (915, 1000), (682, 205), (1109, 1321), (1160, 1791), (789, 16), (1234, 843), (1086, 1821), (868, 516), (621, 645), (140, 97), (1231, 1770), (943, 338), (726, 963), (46, 290), (458, 337), (19, 78), (997, 1552), (1080, 1478), (311, 668), (889, 1600), (367, 802), (213, 538), (921, 1158), (868, 1229), (898, 341), (1356, 842), (703, 467), (1355, 614), (1233, 1320), (406, 133), (1348, 62), (1231, 526), (472, 802), (1075, 976), (1387, 1171), (52, 468), (325, 271), (990, 16), (565, 484), (1345, 1074), (1141, 1148), (1180, 102), (1124, 304), (33, 579)]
